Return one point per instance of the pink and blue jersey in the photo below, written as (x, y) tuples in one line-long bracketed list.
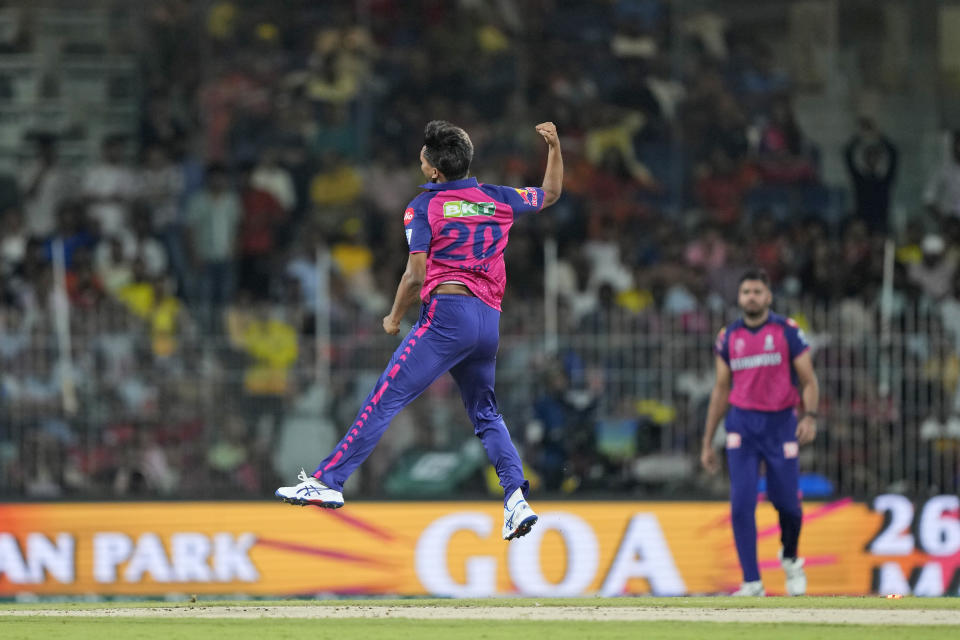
[(761, 363), (463, 226)]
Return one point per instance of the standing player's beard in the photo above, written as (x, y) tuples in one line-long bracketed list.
[(753, 315)]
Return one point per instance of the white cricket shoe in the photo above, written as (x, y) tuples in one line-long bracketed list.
[(518, 517), (310, 491), (751, 589), (796, 576)]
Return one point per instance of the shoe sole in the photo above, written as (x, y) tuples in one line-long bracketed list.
[(300, 502), (523, 528)]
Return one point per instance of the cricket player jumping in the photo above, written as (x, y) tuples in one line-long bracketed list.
[(457, 231)]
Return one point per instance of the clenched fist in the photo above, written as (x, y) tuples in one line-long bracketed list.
[(548, 131), (391, 326)]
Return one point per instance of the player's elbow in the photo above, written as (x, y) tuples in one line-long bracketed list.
[(550, 197), (414, 280)]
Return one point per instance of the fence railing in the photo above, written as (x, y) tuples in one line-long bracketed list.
[(617, 407)]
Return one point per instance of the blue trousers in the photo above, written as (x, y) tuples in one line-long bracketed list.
[(459, 334), (769, 436)]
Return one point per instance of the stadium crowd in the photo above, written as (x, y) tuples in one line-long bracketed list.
[(270, 130)]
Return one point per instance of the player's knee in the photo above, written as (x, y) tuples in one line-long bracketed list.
[(786, 506), (483, 420), (742, 509), (793, 511)]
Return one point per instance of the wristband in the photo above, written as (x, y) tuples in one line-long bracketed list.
[(811, 414)]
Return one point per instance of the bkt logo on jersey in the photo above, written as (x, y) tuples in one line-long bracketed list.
[(463, 209), (529, 195)]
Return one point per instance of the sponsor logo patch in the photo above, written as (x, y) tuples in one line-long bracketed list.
[(529, 195), (407, 217), (719, 344), (464, 209), (759, 360), (768, 343), (409, 236), (790, 449), (733, 441)]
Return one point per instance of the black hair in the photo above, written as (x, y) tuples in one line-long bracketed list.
[(448, 148), (754, 274)]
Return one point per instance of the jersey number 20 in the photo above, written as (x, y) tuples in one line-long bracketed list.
[(481, 250)]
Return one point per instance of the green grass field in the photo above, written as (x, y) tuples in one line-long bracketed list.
[(190, 629), (709, 602), (79, 621)]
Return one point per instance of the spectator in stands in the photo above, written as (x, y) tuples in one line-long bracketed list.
[(942, 194), (113, 267), (784, 154), (353, 261), (337, 182), (152, 300), (13, 239), (301, 269), (265, 336), (108, 187), (44, 183), (84, 288), (262, 215), (213, 217), (721, 187), (270, 176), (73, 231), (161, 185), (229, 457), (729, 131), (757, 79), (159, 125), (949, 312), (934, 275), (871, 159), (141, 242), (546, 434)]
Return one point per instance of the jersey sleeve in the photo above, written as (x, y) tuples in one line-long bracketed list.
[(795, 338), (521, 199), (722, 346), (417, 226)]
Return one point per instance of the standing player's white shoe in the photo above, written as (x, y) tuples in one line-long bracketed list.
[(518, 517), (796, 576), (751, 589), (310, 491)]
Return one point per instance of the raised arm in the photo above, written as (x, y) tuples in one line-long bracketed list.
[(553, 176)]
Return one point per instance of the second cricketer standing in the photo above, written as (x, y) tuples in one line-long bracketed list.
[(761, 360)]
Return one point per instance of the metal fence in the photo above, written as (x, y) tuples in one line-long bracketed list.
[(143, 408)]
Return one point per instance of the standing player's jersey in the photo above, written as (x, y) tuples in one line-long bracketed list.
[(761, 362), (463, 228)]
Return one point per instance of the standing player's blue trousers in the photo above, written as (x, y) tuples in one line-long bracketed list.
[(455, 333), (770, 436)]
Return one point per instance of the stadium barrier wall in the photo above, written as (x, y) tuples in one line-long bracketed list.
[(889, 545)]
